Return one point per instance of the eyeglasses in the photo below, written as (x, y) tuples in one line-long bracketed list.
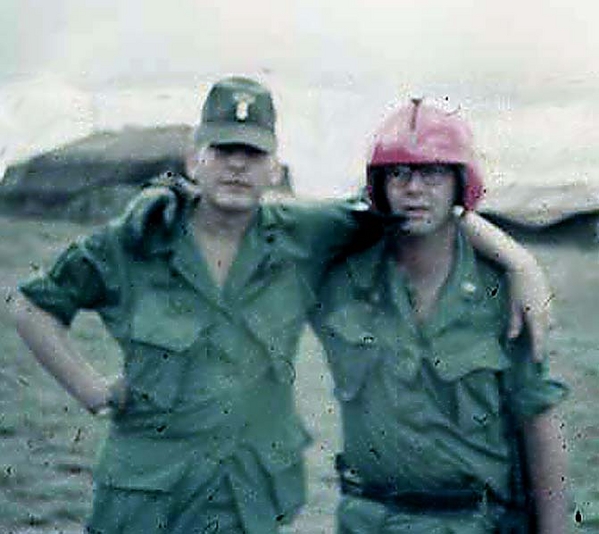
[(430, 174)]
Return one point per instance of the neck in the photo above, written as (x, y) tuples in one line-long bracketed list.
[(428, 257), (230, 225)]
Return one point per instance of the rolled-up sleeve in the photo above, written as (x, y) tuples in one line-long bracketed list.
[(79, 279)]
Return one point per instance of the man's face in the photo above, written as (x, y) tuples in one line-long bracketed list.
[(232, 177), (423, 193)]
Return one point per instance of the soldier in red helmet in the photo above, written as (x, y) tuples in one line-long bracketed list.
[(447, 423)]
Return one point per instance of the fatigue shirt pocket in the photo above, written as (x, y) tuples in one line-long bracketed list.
[(165, 325), (355, 348), (142, 463), (276, 315), (469, 355)]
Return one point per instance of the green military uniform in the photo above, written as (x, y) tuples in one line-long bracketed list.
[(421, 402), (209, 439)]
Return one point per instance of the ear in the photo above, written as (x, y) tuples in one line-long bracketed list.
[(458, 211), (190, 162), (193, 159), (275, 172)]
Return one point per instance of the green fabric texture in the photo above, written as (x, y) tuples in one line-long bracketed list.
[(360, 516), (420, 401), (233, 502), (209, 371), (141, 512)]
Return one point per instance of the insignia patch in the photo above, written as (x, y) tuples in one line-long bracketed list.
[(243, 102)]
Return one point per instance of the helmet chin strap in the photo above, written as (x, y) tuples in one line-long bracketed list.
[(390, 222)]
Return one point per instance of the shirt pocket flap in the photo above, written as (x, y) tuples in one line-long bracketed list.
[(355, 349), (283, 302), (457, 356), (351, 324), (170, 321)]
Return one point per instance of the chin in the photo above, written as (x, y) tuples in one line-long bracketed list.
[(425, 227), (236, 204), (416, 232), (418, 227)]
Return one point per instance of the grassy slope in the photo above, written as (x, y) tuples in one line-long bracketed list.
[(48, 443)]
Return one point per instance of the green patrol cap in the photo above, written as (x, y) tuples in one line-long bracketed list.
[(238, 111)]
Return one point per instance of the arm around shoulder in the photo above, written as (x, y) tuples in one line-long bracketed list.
[(530, 293)]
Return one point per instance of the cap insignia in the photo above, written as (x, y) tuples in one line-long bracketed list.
[(243, 102)]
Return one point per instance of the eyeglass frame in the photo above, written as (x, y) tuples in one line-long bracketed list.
[(431, 174)]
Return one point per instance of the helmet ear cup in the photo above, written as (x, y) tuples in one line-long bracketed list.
[(460, 185), (376, 189)]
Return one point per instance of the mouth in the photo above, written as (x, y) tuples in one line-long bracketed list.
[(415, 211), (236, 184)]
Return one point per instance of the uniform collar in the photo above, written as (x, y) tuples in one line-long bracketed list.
[(263, 249), (463, 288), (369, 272), (366, 268)]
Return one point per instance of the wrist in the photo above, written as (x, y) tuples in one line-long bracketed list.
[(114, 397), (98, 400)]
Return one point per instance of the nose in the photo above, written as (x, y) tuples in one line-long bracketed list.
[(415, 182), (237, 159)]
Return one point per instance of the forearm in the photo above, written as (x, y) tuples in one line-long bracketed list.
[(494, 244), (547, 464), (530, 293), (48, 340)]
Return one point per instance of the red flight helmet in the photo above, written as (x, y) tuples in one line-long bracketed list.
[(421, 133)]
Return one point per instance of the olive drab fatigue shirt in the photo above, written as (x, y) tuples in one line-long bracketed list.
[(420, 401), (209, 372)]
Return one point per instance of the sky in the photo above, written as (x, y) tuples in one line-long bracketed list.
[(525, 73)]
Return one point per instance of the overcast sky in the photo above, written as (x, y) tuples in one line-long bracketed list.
[(526, 72)]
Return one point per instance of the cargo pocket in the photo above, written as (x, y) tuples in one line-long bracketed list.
[(355, 349), (139, 463), (163, 329)]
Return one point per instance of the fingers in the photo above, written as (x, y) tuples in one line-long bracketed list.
[(169, 215), (537, 339), (516, 321), (540, 324), (118, 394), (531, 300), (150, 206), (537, 323)]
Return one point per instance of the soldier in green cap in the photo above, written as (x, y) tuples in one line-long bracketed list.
[(206, 296), (447, 423)]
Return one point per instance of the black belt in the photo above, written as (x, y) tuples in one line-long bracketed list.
[(417, 501), (438, 500)]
